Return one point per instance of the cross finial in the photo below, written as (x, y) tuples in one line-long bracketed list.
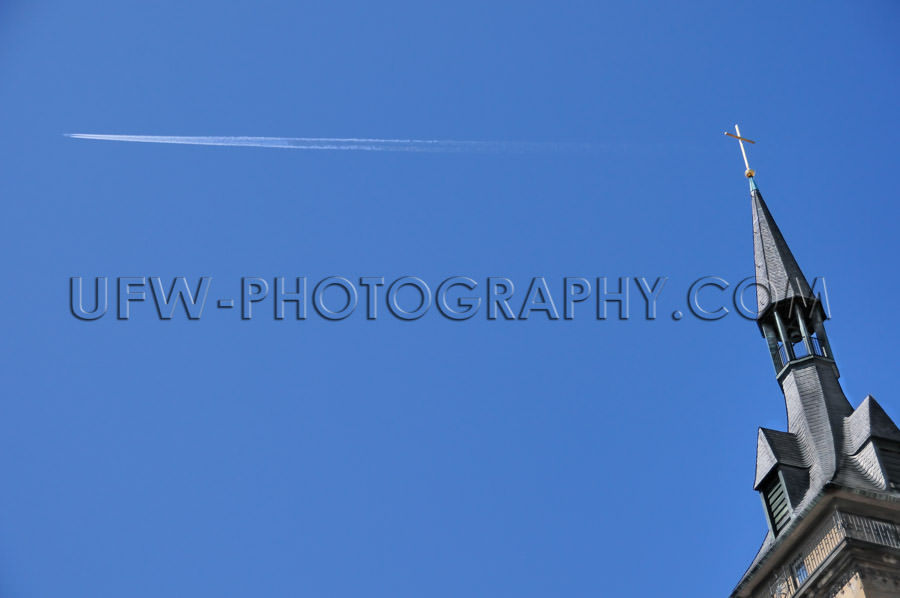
[(749, 172)]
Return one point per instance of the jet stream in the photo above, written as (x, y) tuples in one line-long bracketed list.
[(336, 143)]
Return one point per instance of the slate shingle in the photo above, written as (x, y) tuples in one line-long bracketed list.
[(776, 268)]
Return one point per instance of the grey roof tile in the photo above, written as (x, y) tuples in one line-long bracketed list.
[(776, 268), (773, 448), (869, 421)]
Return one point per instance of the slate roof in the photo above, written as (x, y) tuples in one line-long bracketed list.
[(856, 462), (773, 448), (776, 267), (827, 442), (861, 467), (868, 421)]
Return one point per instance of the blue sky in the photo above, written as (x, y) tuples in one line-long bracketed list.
[(222, 457)]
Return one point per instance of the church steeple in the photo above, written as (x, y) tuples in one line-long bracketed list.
[(791, 318), (792, 321), (834, 475), (776, 268), (789, 315)]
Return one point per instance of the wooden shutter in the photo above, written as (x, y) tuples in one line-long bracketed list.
[(777, 504)]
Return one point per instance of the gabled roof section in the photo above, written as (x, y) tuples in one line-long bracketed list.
[(776, 268), (776, 448), (869, 421)]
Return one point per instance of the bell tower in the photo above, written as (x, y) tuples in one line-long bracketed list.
[(829, 484)]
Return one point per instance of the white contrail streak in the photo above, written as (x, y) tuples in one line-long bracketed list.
[(330, 143)]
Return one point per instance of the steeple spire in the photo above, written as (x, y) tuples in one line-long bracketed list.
[(835, 471), (791, 319), (778, 276)]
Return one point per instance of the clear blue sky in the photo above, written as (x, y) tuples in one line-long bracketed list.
[(433, 458)]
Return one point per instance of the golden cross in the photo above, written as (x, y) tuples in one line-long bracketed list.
[(749, 172)]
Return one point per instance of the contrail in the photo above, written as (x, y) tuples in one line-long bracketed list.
[(346, 144)]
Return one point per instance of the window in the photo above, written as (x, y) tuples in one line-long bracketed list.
[(890, 458), (800, 572), (777, 508)]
